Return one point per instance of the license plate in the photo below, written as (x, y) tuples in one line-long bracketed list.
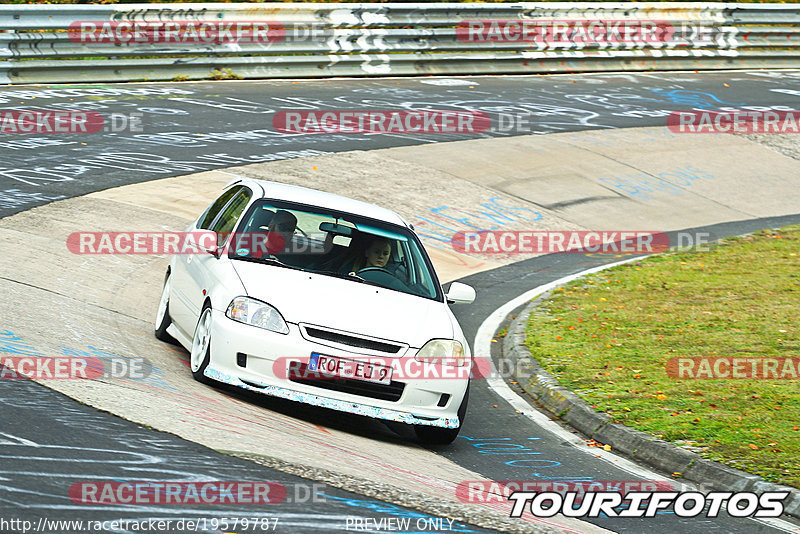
[(345, 368)]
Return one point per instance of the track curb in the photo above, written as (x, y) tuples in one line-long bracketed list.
[(565, 405)]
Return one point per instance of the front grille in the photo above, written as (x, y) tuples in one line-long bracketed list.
[(353, 341), (388, 392)]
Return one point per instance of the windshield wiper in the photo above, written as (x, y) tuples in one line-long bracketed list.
[(347, 276), (269, 260)]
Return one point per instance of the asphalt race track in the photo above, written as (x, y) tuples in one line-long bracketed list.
[(189, 127), (192, 127), (49, 442)]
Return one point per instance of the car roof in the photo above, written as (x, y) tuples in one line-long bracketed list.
[(314, 197)]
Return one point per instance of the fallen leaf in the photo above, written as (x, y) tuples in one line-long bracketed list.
[(606, 448), (754, 447)]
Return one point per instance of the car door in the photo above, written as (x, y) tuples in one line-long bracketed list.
[(189, 277)]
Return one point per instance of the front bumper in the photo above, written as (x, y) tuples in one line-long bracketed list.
[(416, 406)]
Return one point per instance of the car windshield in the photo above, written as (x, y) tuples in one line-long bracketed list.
[(334, 244)]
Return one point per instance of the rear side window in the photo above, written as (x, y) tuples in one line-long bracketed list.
[(213, 210), (231, 213)]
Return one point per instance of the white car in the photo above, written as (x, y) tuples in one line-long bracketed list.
[(320, 299)]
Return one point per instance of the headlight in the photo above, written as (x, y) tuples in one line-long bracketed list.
[(442, 351), (256, 313)]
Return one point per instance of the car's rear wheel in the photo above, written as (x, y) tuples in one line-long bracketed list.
[(201, 346), (163, 320), (434, 435)]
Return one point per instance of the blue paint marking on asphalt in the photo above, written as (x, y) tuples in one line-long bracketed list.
[(13, 344), (698, 99), (641, 184), (514, 448), (498, 215), (499, 446)]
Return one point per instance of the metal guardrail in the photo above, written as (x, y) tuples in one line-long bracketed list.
[(43, 43)]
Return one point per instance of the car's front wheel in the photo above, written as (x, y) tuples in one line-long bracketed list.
[(433, 435), (201, 346)]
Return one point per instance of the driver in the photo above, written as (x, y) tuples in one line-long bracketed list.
[(280, 231), (376, 254)]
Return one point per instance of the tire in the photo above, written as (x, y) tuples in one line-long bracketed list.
[(433, 435), (201, 346), (163, 320)]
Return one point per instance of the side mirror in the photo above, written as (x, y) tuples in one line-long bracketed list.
[(460, 294), (210, 244)]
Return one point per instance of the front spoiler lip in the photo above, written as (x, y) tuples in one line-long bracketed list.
[(333, 404)]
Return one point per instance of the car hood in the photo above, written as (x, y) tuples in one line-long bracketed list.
[(347, 305)]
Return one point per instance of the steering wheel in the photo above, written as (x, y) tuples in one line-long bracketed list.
[(383, 277), (374, 270), (305, 235)]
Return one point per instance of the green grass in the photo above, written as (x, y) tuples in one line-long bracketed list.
[(609, 336)]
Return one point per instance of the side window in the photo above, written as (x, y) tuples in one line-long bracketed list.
[(230, 214), (208, 217)]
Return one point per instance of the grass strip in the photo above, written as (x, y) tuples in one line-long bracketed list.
[(609, 336)]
